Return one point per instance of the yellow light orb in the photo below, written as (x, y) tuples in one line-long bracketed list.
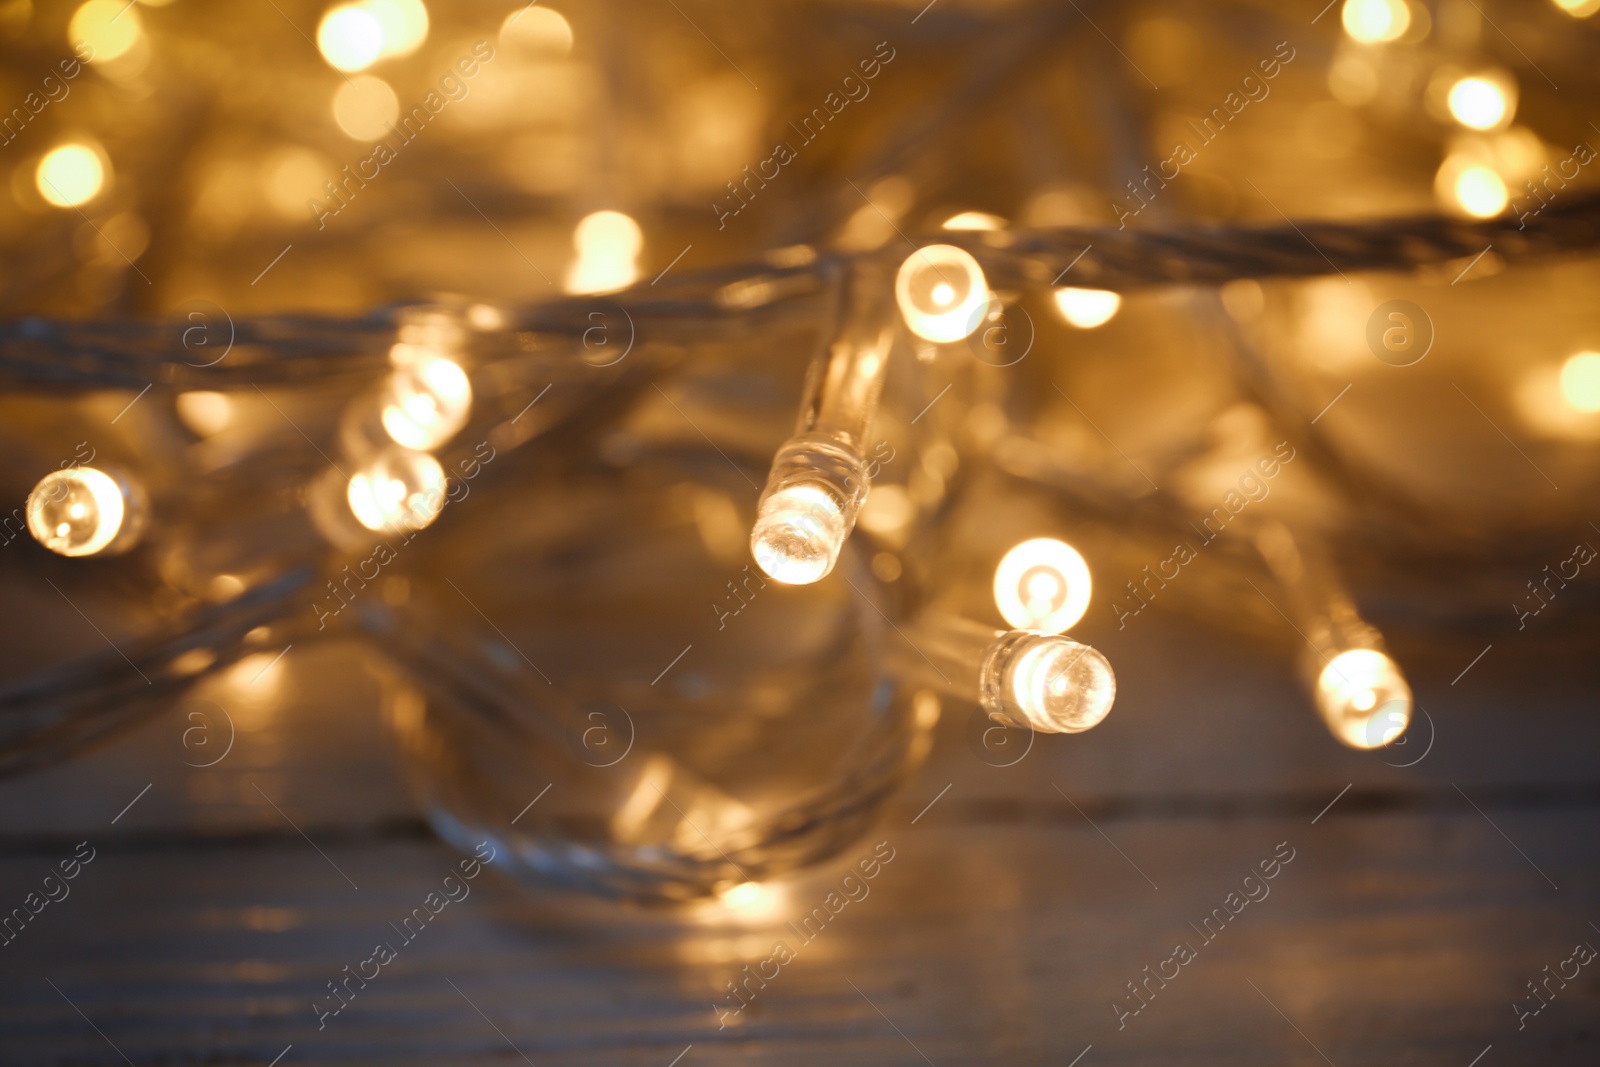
[(70, 174), (608, 245), (1481, 192), (1043, 585), (365, 107), (1376, 21), (399, 489), (942, 293), (537, 31), (110, 27), (426, 400), (1087, 308), (1364, 698), (1578, 9), (402, 23), (974, 220), (1478, 103), (350, 37), (1580, 381), (76, 512)]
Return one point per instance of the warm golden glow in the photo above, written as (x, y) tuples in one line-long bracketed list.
[(1059, 685), (1376, 21), (205, 412), (1364, 698), (70, 174), (798, 534), (350, 37), (76, 512), (1042, 584), (110, 27), (365, 107), (1580, 381), (608, 245), (537, 30), (942, 293), (1479, 103), (403, 25), (1480, 191), (426, 400), (1087, 308), (1578, 9), (974, 220), (399, 488)]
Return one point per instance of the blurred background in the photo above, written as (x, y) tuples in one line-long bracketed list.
[(1288, 331)]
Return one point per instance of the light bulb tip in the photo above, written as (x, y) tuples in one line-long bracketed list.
[(798, 535)]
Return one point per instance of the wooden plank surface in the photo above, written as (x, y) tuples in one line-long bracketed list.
[(1015, 911)]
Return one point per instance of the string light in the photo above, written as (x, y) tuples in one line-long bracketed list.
[(1580, 381), (426, 399), (1376, 21), (1364, 698), (1087, 308), (82, 511), (350, 37), (70, 175), (942, 293), (1042, 585), (399, 489), (818, 479), (1026, 679)]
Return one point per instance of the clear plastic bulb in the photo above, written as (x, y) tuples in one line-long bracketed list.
[(1031, 680), (1042, 585), (798, 534), (1051, 683), (83, 511), (942, 293), (426, 400), (1359, 691), (818, 479), (1364, 698), (398, 489)]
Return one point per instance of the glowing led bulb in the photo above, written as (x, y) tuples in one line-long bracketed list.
[(80, 511), (426, 400), (1479, 103), (1043, 585), (1087, 308), (1578, 8), (942, 293), (1053, 684), (70, 174), (1364, 698), (399, 489), (798, 534), (1580, 381), (1376, 21), (350, 37)]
